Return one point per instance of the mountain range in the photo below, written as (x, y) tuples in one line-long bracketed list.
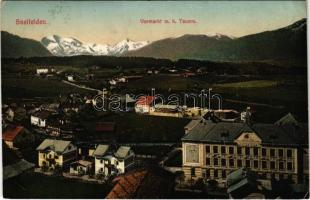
[(60, 46), (284, 43)]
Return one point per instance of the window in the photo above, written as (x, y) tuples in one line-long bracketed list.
[(101, 170), (280, 152), (216, 162), (255, 164), (281, 166), (215, 150), (207, 149), (289, 153), (231, 163), (263, 152), (44, 156), (101, 161), (264, 164), (216, 173), (255, 150), (247, 151), (69, 147), (56, 157), (289, 166), (207, 161), (272, 164), (223, 174), (207, 173), (239, 150), (231, 150), (50, 156), (239, 163), (272, 152), (193, 172), (223, 162), (248, 163), (223, 150)]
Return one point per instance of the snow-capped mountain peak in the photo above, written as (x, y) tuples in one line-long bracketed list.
[(60, 46), (219, 36)]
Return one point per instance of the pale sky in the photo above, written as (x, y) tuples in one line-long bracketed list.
[(110, 22)]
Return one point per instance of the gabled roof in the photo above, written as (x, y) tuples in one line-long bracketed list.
[(11, 133), (145, 100), (122, 152), (101, 150), (143, 184), (58, 146), (288, 119), (227, 132)]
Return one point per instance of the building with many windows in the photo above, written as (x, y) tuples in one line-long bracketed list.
[(212, 150)]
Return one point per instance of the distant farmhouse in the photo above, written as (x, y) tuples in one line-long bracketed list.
[(144, 104), (39, 118)]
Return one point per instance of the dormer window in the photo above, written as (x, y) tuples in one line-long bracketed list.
[(246, 136)]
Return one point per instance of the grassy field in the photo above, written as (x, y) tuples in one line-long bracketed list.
[(165, 82), (248, 84), (31, 185), (36, 87)]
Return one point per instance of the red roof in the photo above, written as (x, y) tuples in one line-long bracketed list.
[(143, 183), (11, 133), (105, 126), (145, 100), (127, 185)]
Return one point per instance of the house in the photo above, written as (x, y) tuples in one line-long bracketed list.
[(70, 78), (52, 153), (39, 118), (107, 163), (124, 159), (10, 134), (211, 150), (143, 183), (81, 167), (166, 110), (144, 104), (42, 71), (99, 154)]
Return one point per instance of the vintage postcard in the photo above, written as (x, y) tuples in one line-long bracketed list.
[(154, 99)]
